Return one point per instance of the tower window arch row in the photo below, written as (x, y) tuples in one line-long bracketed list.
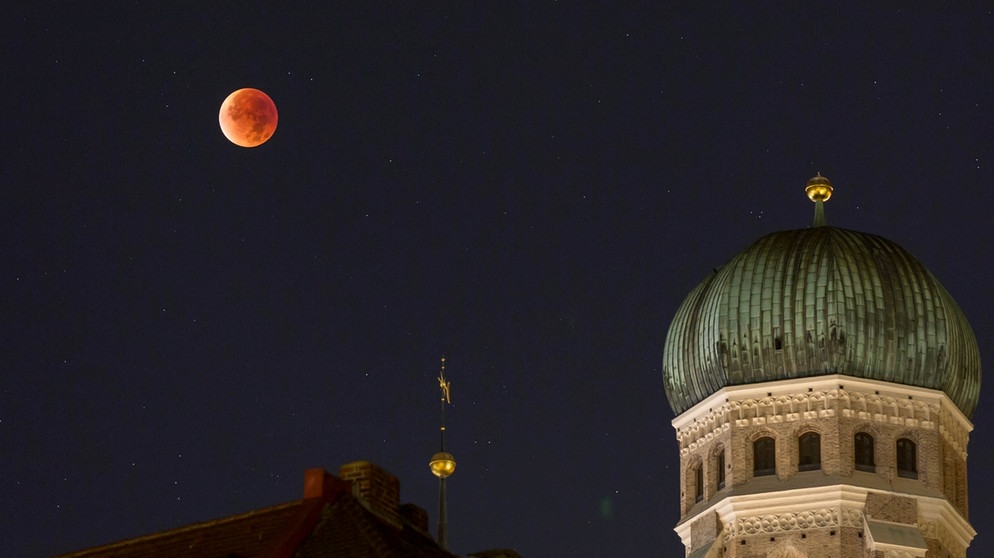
[(808, 449), (717, 461), (864, 450), (863, 446), (869, 427), (764, 453), (906, 449), (694, 483)]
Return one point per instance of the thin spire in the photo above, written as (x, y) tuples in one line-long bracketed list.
[(443, 464), (443, 386), (819, 190)]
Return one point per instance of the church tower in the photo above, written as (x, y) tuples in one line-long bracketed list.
[(823, 382)]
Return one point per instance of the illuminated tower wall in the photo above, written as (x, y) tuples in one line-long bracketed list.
[(823, 382)]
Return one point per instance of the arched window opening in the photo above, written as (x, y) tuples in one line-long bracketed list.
[(863, 446), (699, 482), (720, 467), (907, 459), (764, 457), (809, 452)]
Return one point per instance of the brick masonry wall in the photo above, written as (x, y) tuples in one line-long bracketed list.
[(843, 542), (888, 507), (374, 485), (941, 469)]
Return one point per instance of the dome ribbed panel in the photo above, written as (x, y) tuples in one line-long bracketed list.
[(962, 355), (693, 372), (820, 301)]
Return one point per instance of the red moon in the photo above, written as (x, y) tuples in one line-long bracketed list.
[(248, 117)]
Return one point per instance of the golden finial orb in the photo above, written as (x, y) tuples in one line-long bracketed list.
[(819, 189), (442, 464)]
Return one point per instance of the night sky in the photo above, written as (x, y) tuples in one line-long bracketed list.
[(529, 190)]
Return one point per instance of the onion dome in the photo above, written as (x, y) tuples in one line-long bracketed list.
[(820, 301)]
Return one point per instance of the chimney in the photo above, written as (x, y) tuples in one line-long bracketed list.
[(319, 483), (377, 488)]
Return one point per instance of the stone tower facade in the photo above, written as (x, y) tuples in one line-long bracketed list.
[(823, 382), (828, 467)]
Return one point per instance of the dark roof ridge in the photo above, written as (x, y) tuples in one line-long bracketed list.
[(182, 529)]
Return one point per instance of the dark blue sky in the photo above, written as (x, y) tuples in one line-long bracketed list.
[(528, 189)]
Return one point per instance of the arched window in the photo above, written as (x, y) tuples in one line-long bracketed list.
[(699, 482), (720, 468), (764, 457), (907, 459), (863, 446), (809, 452)]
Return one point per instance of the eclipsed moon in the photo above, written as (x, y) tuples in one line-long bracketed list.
[(248, 117)]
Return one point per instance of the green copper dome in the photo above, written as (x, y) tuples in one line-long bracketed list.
[(820, 301)]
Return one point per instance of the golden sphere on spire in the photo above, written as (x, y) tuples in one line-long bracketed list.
[(442, 464), (818, 189)]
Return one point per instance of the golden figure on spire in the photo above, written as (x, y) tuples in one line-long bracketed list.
[(444, 384)]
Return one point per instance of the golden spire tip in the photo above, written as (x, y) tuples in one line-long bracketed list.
[(819, 188)]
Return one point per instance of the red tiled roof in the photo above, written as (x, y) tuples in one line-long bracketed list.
[(348, 530), (248, 535), (328, 522)]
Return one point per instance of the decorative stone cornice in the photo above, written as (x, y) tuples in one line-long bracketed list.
[(826, 507), (794, 521), (947, 524), (783, 402)]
